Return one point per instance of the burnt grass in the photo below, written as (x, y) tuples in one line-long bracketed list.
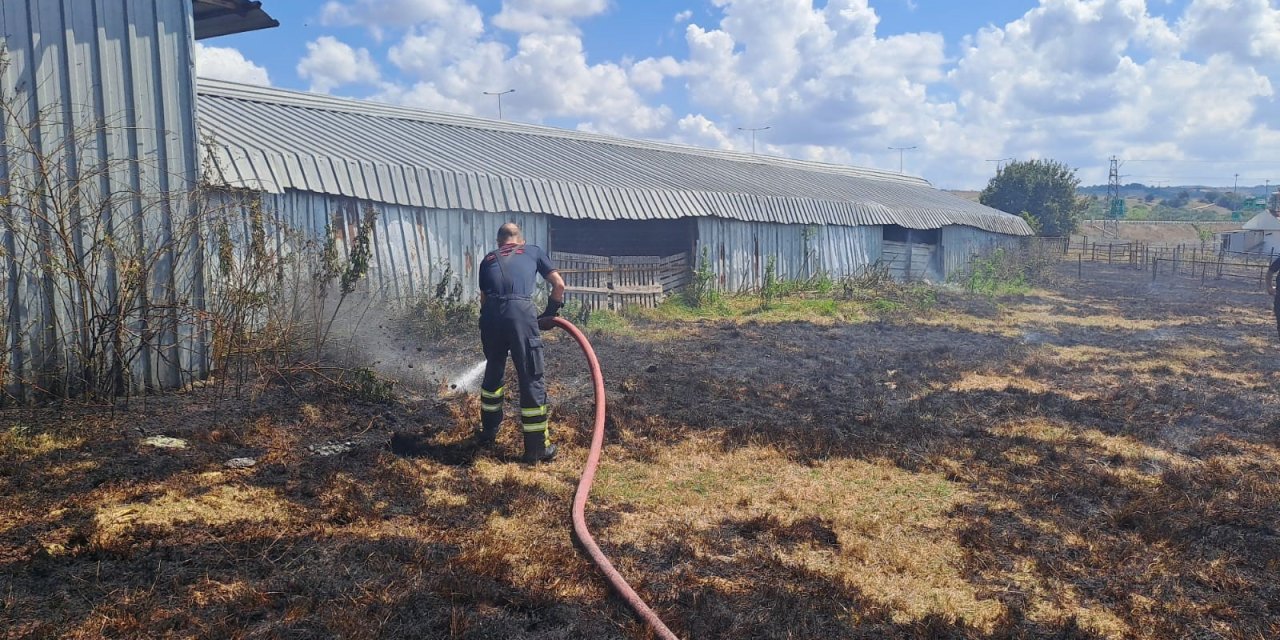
[(1116, 443)]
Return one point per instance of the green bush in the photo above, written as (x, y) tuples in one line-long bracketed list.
[(576, 312)]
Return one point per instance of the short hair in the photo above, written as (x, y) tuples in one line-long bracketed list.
[(509, 232)]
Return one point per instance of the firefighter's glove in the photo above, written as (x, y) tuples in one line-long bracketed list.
[(545, 321)]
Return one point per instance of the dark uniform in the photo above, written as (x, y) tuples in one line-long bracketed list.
[(1274, 270), (508, 324)]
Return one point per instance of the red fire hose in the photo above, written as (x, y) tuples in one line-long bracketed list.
[(584, 488)]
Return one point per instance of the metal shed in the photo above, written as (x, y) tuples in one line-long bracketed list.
[(581, 192)]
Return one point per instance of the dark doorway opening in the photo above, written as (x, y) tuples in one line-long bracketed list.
[(622, 237)]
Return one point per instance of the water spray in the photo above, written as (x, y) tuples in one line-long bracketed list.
[(468, 380)]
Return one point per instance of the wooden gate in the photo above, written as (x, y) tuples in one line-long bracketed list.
[(601, 282)]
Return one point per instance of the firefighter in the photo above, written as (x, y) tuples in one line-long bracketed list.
[(509, 324)]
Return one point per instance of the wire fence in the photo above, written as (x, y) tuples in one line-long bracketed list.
[(1203, 261)]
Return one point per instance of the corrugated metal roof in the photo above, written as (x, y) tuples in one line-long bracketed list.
[(272, 140)]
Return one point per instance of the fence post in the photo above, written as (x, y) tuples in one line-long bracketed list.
[(1080, 267)]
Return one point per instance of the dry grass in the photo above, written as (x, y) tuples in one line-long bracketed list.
[(1099, 460)]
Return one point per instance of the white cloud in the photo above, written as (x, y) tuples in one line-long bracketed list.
[(384, 12), (331, 63), (1074, 80), (227, 63), (1083, 80), (818, 77), (535, 16), (698, 130), (1248, 30), (449, 66), (648, 74)]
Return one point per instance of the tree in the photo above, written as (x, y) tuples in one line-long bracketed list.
[(1177, 202), (1043, 189)]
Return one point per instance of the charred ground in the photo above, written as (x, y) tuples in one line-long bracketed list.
[(1096, 459)]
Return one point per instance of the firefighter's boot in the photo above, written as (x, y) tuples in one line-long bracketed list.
[(538, 447), (490, 417), (534, 422)]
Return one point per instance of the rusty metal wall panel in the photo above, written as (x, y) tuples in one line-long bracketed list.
[(740, 251), (567, 173), (114, 77)]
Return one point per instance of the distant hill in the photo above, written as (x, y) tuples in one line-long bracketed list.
[(1167, 233), (1144, 202), (1196, 192)]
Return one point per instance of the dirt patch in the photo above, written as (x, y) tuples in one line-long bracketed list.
[(1097, 459)]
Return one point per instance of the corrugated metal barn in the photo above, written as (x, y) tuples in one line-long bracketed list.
[(98, 157), (106, 281), (443, 183)]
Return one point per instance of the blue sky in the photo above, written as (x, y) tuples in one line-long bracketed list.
[(1185, 89)]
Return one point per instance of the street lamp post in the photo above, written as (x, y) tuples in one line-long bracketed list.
[(900, 151), (753, 131), (999, 163), (499, 94)]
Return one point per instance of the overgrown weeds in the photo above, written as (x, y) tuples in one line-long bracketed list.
[(702, 293), (819, 297), (1005, 272), (442, 312)]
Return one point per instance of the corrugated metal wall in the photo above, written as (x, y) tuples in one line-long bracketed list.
[(412, 246), (911, 261), (103, 93), (960, 244), (740, 251)]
